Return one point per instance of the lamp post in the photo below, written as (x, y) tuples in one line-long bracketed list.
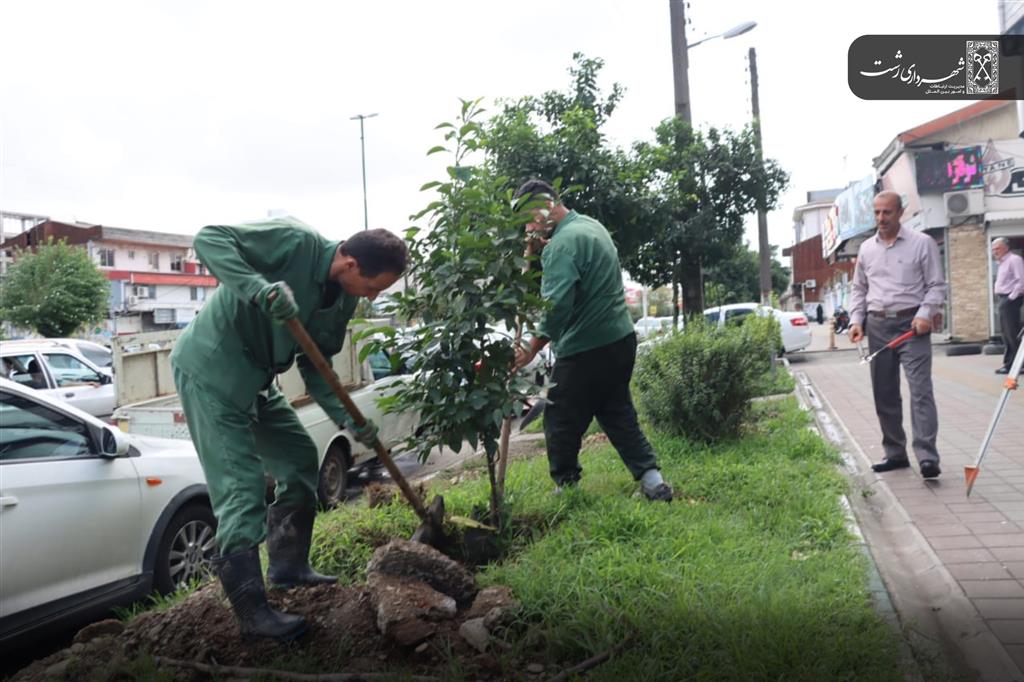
[(681, 63), (362, 147), (680, 59), (763, 249)]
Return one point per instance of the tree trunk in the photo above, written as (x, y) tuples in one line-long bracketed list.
[(675, 295), (693, 297), (491, 475)]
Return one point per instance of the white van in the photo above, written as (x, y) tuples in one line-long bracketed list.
[(60, 372)]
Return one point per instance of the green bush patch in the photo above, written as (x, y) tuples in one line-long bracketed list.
[(698, 383)]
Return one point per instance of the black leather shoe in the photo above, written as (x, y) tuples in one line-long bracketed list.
[(1003, 370), (889, 465), (930, 469)]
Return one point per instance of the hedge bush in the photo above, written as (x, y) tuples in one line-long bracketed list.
[(698, 383)]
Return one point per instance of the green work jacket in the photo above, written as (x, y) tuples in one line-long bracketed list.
[(231, 347), (583, 281)]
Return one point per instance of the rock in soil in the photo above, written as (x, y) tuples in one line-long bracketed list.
[(490, 598), (104, 628), (474, 632), (407, 609), (422, 562)]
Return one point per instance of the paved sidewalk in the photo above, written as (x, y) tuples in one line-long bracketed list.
[(978, 541)]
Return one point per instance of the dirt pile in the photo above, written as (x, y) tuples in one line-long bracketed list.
[(419, 613)]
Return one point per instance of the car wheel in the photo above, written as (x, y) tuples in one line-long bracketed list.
[(188, 545), (964, 349), (993, 349), (333, 477)]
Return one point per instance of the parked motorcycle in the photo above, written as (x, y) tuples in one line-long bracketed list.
[(841, 320)]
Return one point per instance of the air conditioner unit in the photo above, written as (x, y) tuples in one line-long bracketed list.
[(132, 300), (811, 284), (964, 202)]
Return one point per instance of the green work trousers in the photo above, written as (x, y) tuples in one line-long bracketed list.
[(237, 447)]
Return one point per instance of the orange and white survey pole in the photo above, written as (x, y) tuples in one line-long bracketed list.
[(1011, 384)]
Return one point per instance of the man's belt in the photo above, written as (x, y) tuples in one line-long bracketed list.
[(892, 314)]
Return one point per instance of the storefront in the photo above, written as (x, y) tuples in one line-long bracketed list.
[(1003, 172)]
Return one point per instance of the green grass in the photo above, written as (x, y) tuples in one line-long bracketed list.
[(750, 574), (158, 602), (783, 383), (537, 426)]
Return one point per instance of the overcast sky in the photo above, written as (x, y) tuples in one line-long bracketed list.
[(173, 115)]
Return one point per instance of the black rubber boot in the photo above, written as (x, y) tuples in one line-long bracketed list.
[(240, 575), (289, 533)]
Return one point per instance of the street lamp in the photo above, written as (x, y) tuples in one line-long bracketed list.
[(739, 29), (680, 59), (681, 82), (362, 147)]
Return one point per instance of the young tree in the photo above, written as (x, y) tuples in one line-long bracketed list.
[(54, 290), (470, 277)]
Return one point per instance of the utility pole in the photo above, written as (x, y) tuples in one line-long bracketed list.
[(680, 59), (362, 147), (763, 249)]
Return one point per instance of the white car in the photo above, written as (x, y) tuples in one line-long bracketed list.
[(100, 356), (90, 517), (649, 326), (60, 372), (796, 333)]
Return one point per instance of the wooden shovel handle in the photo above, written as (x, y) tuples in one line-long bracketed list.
[(311, 350)]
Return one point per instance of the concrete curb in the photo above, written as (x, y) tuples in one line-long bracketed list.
[(936, 616)]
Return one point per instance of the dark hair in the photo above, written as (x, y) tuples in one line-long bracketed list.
[(534, 187), (376, 251)]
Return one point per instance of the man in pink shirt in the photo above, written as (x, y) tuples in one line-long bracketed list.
[(1009, 292), (898, 285)]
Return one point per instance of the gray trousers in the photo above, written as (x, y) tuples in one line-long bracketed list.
[(915, 356), (1009, 321)]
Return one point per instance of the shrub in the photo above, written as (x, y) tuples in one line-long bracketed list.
[(699, 383)]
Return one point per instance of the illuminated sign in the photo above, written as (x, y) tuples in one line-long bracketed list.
[(949, 169)]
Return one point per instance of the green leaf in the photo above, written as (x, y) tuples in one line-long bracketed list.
[(435, 150)]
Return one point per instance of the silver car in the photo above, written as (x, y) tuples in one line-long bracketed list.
[(90, 517)]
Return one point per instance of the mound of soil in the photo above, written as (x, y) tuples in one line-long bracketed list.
[(343, 638)]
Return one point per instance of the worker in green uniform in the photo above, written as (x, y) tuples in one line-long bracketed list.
[(242, 426), (594, 342)]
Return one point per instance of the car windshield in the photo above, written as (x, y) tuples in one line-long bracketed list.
[(97, 355)]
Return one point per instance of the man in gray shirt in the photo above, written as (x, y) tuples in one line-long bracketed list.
[(898, 286)]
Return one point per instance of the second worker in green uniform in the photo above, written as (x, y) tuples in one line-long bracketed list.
[(242, 426), (594, 340)]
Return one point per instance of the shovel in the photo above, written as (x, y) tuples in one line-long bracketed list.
[(431, 530), (865, 359)]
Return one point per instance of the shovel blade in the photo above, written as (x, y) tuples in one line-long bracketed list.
[(431, 531), (970, 474), (536, 410)]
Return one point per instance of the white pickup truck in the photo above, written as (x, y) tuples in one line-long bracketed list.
[(148, 405)]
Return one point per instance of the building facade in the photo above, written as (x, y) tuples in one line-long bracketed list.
[(156, 281), (961, 177), (815, 280)]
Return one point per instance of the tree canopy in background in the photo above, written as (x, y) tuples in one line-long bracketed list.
[(54, 290), (676, 205)]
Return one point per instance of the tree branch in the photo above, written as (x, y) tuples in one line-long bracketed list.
[(284, 674)]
